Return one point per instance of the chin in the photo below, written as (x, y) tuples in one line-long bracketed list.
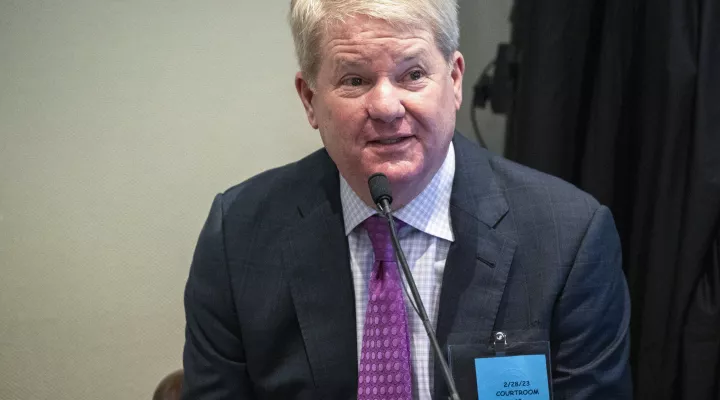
[(402, 173)]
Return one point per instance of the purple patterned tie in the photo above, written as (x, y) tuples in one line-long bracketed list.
[(385, 358)]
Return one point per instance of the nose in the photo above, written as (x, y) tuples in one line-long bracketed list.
[(385, 103)]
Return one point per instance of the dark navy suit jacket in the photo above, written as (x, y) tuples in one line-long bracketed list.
[(270, 303)]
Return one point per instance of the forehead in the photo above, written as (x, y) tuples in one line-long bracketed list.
[(362, 39)]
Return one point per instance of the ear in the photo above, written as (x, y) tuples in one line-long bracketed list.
[(306, 96), (458, 70)]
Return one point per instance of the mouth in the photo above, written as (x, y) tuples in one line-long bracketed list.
[(391, 141)]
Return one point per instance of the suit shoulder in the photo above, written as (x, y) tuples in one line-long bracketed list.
[(537, 187), (272, 188), (548, 217)]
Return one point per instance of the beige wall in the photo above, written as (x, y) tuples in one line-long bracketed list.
[(119, 121)]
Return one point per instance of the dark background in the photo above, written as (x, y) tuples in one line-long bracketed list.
[(622, 98)]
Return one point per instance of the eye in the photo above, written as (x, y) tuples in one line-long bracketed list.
[(353, 81), (416, 75)]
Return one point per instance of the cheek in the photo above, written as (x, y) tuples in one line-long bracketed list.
[(341, 127), (435, 118), (339, 113), (427, 112), (346, 120)]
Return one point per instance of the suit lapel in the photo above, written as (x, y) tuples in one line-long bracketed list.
[(478, 261), (316, 253)]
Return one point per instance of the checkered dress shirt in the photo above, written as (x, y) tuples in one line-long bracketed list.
[(426, 241)]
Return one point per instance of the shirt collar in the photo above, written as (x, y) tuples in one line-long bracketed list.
[(429, 212)]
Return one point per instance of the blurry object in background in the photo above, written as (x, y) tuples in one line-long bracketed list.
[(495, 85), (622, 98), (170, 387), (481, 95)]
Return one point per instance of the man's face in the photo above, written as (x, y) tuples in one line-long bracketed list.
[(385, 101)]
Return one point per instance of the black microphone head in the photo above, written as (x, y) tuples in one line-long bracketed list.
[(379, 188)]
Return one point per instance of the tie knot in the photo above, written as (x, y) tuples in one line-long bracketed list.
[(379, 232)]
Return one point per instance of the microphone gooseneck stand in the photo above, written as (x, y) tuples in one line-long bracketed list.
[(380, 191)]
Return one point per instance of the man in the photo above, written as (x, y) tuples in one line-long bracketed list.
[(282, 300)]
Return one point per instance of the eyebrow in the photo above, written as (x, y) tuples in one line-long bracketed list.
[(345, 64), (420, 53), (341, 64)]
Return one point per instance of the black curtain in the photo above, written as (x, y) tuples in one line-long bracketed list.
[(622, 98)]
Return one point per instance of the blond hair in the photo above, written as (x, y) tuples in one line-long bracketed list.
[(309, 19)]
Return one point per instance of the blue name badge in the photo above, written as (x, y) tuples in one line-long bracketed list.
[(520, 377)]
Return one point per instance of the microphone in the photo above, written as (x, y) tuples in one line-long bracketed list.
[(380, 192)]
